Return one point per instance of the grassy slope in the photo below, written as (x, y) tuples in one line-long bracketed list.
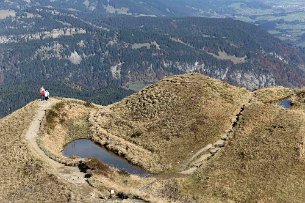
[(66, 121), (175, 117), (263, 163), (23, 176)]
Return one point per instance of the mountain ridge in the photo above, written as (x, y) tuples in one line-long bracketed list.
[(170, 114)]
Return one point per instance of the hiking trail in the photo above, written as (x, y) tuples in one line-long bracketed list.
[(68, 174), (201, 157)]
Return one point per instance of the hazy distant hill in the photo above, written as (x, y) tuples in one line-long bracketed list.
[(282, 18), (141, 7)]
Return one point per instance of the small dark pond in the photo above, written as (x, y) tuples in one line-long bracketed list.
[(87, 149), (285, 103)]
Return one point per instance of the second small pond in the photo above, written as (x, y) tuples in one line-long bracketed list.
[(285, 103)]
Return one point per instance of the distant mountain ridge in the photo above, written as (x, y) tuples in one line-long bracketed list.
[(111, 7), (126, 51), (281, 18), (171, 8)]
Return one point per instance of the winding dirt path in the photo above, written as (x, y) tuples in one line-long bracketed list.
[(72, 175), (68, 174)]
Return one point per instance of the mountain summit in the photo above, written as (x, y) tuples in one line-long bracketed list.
[(204, 141)]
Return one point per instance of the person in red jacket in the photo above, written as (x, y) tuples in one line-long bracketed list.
[(42, 93)]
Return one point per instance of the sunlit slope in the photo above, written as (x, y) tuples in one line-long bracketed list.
[(261, 158), (173, 118), (264, 162), (24, 178)]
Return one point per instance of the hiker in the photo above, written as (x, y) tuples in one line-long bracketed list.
[(42, 93), (46, 95)]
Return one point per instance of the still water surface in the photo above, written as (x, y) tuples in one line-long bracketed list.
[(85, 148), (285, 103)]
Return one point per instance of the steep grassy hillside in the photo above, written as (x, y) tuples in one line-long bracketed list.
[(262, 160), (173, 118), (65, 122), (263, 163), (207, 141)]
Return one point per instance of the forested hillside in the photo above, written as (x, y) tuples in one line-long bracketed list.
[(58, 47), (282, 18)]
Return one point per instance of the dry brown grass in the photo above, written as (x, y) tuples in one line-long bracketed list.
[(173, 118), (299, 99), (263, 163), (273, 94), (65, 121), (24, 178), (159, 128)]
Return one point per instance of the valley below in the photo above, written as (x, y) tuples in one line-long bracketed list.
[(103, 51), (111, 59)]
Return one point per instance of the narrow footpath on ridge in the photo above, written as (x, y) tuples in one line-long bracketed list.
[(201, 157), (66, 173)]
